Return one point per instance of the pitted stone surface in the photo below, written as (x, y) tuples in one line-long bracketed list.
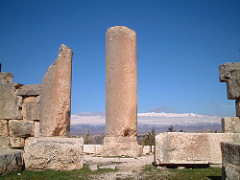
[(3, 128), (10, 104), (53, 153), (10, 160), (231, 124), (230, 73), (55, 103), (21, 128), (121, 82), (30, 111), (191, 148), (29, 90), (230, 160)]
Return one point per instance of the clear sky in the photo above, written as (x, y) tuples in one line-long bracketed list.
[(180, 45)]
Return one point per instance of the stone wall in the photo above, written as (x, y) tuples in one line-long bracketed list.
[(19, 111)]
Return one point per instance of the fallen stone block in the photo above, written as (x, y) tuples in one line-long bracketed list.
[(10, 160), (191, 148), (230, 161), (21, 128), (29, 90), (53, 153), (92, 148), (121, 146), (231, 124)]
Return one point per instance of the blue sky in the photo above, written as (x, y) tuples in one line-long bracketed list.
[(180, 45)]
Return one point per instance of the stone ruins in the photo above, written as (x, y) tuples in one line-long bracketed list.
[(121, 93), (37, 118)]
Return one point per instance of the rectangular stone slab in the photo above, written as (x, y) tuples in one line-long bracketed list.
[(231, 124), (187, 148), (53, 153)]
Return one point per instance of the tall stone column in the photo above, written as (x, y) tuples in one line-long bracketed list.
[(121, 92), (55, 103)]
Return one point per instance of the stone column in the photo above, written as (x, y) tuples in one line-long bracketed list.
[(55, 103), (121, 92)]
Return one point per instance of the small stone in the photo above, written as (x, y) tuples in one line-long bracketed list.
[(93, 167)]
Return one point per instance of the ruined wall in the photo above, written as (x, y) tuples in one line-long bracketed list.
[(19, 111)]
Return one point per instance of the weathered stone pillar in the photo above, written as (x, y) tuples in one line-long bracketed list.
[(55, 104), (121, 92), (121, 82)]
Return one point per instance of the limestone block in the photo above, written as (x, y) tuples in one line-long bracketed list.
[(4, 141), (21, 128), (3, 128), (230, 161), (191, 148), (231, 124), (92, 148), (30, 99), (29, 90), (118, 146), (30, 111), (10, 160), (37, 129), (53, 153), (16, 142), (230, 73), (10, 104), (121, 82), (55, 105), (147, 149)]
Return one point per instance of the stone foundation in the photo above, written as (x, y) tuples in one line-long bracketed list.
[(10, 160), (191, 148), (53, 153), (121, 146), (230, 161)]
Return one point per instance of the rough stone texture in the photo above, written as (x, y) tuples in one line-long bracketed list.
[(230, 73), (10, 160), (30, 111), (53, 153), (37, 129), (29, 90), (191, 148), (237, 105), (21, 128), (121, 82), (10, 104), (3, 128), (230, 161), (231, 124), (4, 141), (55, 104), (118, 146), (17, 142), (147, 149)]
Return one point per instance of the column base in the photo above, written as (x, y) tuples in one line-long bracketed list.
[(121, 146)]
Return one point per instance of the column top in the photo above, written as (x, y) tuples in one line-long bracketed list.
[(119, 29)]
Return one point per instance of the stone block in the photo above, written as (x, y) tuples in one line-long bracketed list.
[(53, 153), (36, 129), (230, 161), (147, 149), (230, 73), (16, 142), (191, 148), (4, 141), (3, 128), (30, 99), (29, 90), (121, 146), (21, 128), (55, 105), (30, 111), (10, 104), (10, 160), (92, 148), (231, 124)]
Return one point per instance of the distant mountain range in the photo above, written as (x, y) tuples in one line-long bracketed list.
[(188, 122)]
